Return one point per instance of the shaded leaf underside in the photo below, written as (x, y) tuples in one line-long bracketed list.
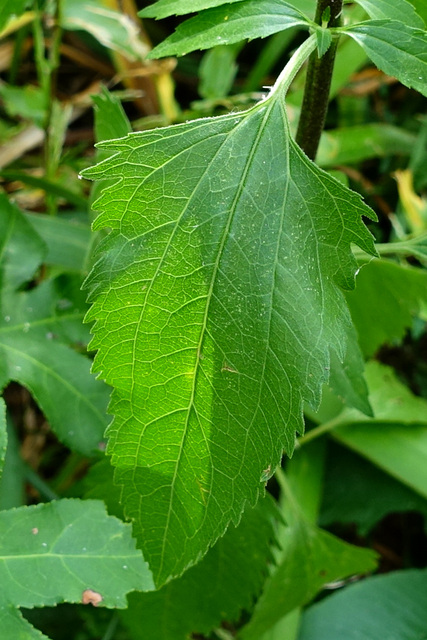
[(216, 307)]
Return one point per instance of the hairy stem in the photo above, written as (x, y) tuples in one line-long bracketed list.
[(318, 83)]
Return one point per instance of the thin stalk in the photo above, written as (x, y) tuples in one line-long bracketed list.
[(326, 427), (38, 483), (286, 77), (318, 83), (112, 627), (53, 63)]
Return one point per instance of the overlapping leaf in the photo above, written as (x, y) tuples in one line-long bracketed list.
[(312, 558), (231, 575), (230, 23), (387, 606), (393, 10), (395, 48), (64, 551), (217, 302), (165, 8), (390, 291)]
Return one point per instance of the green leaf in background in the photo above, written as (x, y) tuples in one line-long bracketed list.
[(400, 10), (27, 102), (311, 559), (217, 71), (32, 352), (71, 253), (15, 627), (231, 23), (65, 551), (21, 250), (395, 48), (220, 276), (37, 328), (388, 291), (420, 7), (9, 9), (218, 588), (358, 492), (114, 29), (396, 439), (387, 606), (3, 435), (165, 8), (350, 145)]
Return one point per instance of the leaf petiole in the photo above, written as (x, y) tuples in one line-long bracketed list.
[(295, 63)]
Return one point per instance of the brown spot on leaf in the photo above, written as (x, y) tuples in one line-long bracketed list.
[(91, 597), (34, 531)]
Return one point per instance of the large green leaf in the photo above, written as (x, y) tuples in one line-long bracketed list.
[(218, 588), (388, 291), (243, 20), (387, 606), (62, 550), (393, 10), (219, 278), (395, 48), (165, 8)]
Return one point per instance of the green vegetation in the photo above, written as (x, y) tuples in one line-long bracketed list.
[(247, 427)]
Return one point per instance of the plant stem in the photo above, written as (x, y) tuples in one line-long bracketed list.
[(317, 85)]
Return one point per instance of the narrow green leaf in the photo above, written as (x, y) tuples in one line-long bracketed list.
[(400, 10), (311, 559), (350, 145), (217, 71), (15, 627), (110, 119), (219, 277), (9, 9), (324, 39), (55, 188), (387, 606), (165, 8), (3, 435), (231, 574), (111, 28), (231, 23), (63, 550), (388, 291), (395, 48)]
